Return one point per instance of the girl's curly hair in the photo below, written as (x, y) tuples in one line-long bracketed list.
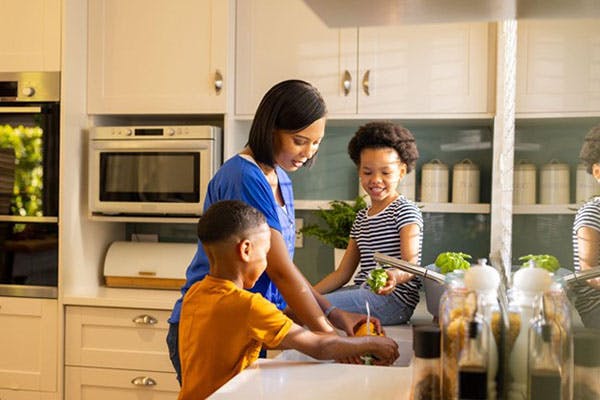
[(590, 150)]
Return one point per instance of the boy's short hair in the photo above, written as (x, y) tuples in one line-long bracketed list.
[(381, 135), (227, 218)]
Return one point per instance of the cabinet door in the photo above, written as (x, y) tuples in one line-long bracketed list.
[(115, 384), (278, 40), (117, 338), (558, 66), (421, 69), (156, 57), (28, 344), (30, 35)]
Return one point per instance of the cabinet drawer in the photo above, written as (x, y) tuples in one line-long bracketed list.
[(83, 383), (117, 338), (26, 395)]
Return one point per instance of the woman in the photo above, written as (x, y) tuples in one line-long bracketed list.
[(586, 237), (384, 153), (287, 129)]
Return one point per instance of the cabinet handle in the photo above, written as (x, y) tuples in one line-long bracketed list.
[(365, 82), (218, 81), (145, 319), (143, 381), (347, 82)]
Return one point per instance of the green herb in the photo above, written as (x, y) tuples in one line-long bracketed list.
[(545, 261), (450, 261), (377, 279), (338, 219)]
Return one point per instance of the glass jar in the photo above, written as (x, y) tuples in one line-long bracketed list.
[(586, 376), (426, 363)]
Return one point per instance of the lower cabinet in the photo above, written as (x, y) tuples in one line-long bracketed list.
[(28, 348), (117, 352)]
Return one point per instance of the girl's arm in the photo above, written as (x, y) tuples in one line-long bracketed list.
[(332, 347), (588, 240), (343, 273), (295, 289), (409, 248)]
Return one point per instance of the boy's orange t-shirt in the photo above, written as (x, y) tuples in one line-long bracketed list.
[(221, 331)]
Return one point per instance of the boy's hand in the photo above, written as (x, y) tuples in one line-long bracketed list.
[(385, 350), (348, 321)]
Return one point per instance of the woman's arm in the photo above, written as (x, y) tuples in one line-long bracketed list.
[(409, 248), (588, 240), (343, 273), (296, 290)]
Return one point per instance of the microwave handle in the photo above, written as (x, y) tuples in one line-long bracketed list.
[(20, 110)]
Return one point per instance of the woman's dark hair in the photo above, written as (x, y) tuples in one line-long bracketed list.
[(590, 150), (227, 218), (381, 135), (290, 105)]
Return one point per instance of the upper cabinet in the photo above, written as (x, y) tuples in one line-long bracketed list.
[(404, 71), (30, 35), (159, 57), (558, 67)]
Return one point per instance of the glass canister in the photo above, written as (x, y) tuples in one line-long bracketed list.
[(544, 367), (554, 183), (587, 186), (426, 363), (586, 377), (434, 182), (465, 182), (524, 183)]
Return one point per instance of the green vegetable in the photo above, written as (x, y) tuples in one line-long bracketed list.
[(450, 261), (545, 261), (377, 279)]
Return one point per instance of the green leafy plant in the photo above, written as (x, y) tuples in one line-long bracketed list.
[(27, 145), (545, 261), (451, 261), (338, 221)]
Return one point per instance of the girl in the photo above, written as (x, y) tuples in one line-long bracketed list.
[(384, 153)]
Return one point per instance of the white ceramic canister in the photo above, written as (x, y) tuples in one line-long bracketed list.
[(434, 182), (524, 183), (587, 186), (406, 187), (465, 182), (554, 183)]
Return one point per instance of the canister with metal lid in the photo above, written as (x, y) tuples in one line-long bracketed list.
[(587, 185), (434, 182), (524, 183), (407, 185), (554, 183), (465, 182)]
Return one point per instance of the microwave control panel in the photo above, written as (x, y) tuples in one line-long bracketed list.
[(155, 132)]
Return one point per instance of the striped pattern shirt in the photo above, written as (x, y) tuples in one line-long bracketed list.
[(381, 233), (587, 298)]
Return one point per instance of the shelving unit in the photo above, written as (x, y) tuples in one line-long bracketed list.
[(480, 208)]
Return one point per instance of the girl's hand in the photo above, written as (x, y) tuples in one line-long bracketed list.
[(390, 284), (348, 321)]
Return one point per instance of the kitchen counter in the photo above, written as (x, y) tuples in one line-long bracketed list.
[(119, 297), (277, 378)]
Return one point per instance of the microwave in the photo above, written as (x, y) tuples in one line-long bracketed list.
[(151, 170)]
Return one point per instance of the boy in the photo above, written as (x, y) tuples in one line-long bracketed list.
[(223, 327)]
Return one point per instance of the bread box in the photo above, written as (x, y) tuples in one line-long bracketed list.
[(148, 265)]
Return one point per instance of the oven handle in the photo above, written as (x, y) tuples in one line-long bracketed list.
[(20, 110)]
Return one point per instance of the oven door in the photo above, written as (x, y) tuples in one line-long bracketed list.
[(149, 177)]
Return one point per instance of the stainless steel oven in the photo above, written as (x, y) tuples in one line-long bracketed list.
[(29, 171)]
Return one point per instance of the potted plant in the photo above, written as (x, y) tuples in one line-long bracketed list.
[(338, 220)]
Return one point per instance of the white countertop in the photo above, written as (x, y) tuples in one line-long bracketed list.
[(279, 379), (118, 297)]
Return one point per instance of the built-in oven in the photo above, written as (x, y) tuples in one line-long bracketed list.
[(29, 180)]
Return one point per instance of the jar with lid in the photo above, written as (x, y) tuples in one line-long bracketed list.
[(554, 183), (453, 312), (543, 366), (426, 363), (465, 182), (434, 182), (586, 376), (524, 183)]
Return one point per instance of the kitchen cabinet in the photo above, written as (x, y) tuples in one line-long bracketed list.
[(29, 348), (117, 350), (30, 35), (558, 67), (162, 57), (398, 70)]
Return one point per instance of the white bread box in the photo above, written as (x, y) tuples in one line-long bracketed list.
[(148, 265)]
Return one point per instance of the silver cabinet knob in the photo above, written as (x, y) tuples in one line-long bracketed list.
[(143, 381), (365, 82), (218, 81), (347, 82), (145, 319), (28, 91)]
